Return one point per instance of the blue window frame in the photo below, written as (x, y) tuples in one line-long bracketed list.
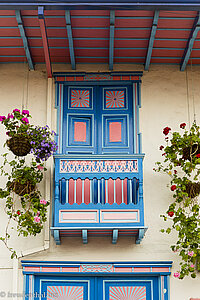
[(98, 120)]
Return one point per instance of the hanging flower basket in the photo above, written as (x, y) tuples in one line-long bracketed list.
[(21, 188), (189, 152), (193, 189), (19, 145)]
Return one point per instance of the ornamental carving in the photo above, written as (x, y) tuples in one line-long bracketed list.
[(98, 166), (97, 268)]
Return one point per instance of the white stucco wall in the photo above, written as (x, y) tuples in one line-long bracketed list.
[(164, 103)]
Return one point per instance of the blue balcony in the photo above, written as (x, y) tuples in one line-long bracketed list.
[(98, 195)]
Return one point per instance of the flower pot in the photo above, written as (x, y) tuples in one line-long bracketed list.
[(19, 145), (21, 188), (193, 189), (191, 151)]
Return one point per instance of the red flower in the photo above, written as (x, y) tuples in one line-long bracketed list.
[(173, 187), (163, 154), (182, 125), (175, 172), (161, 147), (166, 130), (198, 155), (18, 212), (170, 213)]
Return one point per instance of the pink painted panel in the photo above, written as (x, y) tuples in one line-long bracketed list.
[(65, 293), (70, 269), (71, 191), (78, 216), (127, 292), (80, 131), (32, 269), (121, 216), (48, 269), (115, 132), (110, 191), (142, 269), (160, 269), (79, 191), (123, 269)]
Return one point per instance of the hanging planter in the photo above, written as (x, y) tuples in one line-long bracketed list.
[(193, 189), (21, 189), (181, 162), (190, 152), (19, 145)]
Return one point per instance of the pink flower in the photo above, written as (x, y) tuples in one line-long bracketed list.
[(43, 201), (16, 110), (2, 118), (177, 274), (10, 116), (38, 213), (190, 253), (25, 112), (40, 167), (25, 120), (37, 219), (192, 266)]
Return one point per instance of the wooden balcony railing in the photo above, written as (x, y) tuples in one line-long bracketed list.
[(98, 192)]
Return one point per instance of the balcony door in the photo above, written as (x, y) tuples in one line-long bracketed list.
[(101, 288), (98, 120)]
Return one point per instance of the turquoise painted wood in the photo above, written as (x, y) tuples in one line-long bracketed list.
[(99, 165), (96, 280)]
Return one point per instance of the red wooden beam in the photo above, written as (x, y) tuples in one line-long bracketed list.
[(44, 40)]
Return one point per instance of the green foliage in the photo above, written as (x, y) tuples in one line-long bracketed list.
[(182, 163)]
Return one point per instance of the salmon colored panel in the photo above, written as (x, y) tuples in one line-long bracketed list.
[(160, 269), (178, 14), (172, 34), (12, 51), (86, 191), (110, 191), (115, 132), (118, 185), (131, 43), (71, 191), (90, 13), (116, 77), (30, 22), (56, 32), (10, 32), (133, 23), (130, 52), (46, 269), (79, 131), (134, 13), (70, 269), (8, 22), (166, 60), (92, 52), (170, 44), (91, 33), (58, 42), (7, 13), (120, 33), (142, 269), (12, 59), (32, 269), (90, 22), (78, 191), (91, 60), (170, 23), (55, 22), (167, 53), (123, 270), (125, 190), (12, 42), (91, 43), (129, 60)]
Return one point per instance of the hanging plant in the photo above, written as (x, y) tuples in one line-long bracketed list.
[(24, 203), (182, 163), (25, 138)]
